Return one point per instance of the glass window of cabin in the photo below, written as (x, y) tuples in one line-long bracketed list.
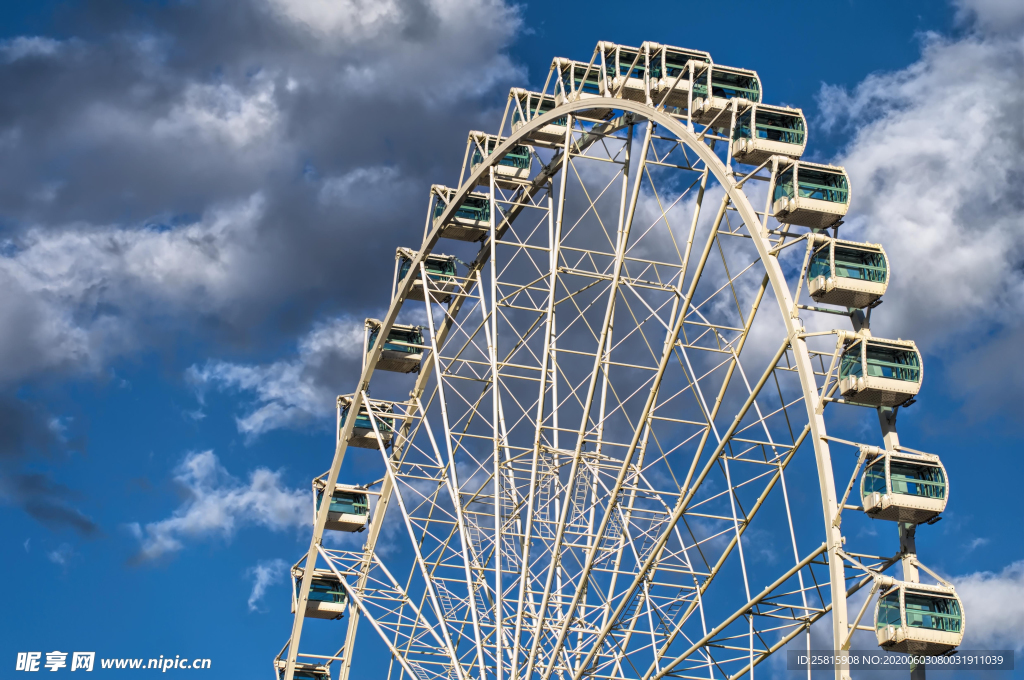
[(675, 63), (363, 420), (778, 126), (889, 610), (820, 264), (626, 58), (538, 106), (822, 185), (850, 364), (730, 84), (784, 184), (349, 503), (573, 78), (517, 157), (742, 129), (861, 264), (913, 479), (399, 340), (874, 478), (933, 612), (895, 363), (437, 267), (310, 675), (323, 590), (473, 208)]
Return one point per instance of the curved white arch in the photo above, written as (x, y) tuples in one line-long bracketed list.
[(777, 280)]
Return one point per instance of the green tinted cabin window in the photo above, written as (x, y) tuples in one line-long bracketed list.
[(534, 108), (311, 675), (926, 481), (784, 184), (874, 478), (675, 63), (438, 268), (363, 420), (346, 502), (517, 157), (933, 612), (349, 503), (860, 263), (817, 184), (323, 590), (727, 85), (850, 365), (399, 340), (774, 126), (889, 610), (895, 363), (473, 208), (625, 61), (573, 78), (820, 264)]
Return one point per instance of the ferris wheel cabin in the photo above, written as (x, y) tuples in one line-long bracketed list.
[(811, 195), (904, 487), (847, 273), (349, 509), (526, 106), (577, 81), (715, 86), (327, 597), (362, 430), (306, 671), (763, 131), (673, 70), (402, 351), (626, 69), (511, 171), (440, 271), (471, 221), (917, 618), (880, 372)]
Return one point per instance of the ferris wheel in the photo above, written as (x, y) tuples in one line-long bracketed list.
[(593, 377)]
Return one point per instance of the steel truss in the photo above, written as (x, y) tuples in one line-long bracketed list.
[(601, 418)]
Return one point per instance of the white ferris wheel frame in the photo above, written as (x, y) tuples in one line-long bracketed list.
[(794, 342)]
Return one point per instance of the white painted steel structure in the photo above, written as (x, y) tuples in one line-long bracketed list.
[(606, 407)]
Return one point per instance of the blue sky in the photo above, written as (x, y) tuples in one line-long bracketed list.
[(195, 199)]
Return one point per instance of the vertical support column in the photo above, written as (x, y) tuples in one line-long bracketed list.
[(499, 634), (908, 531)]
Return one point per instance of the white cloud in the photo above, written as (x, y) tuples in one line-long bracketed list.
[(291, 392), (265, 573), (936, 163), (380, 180), (73, 295), (992, 15), (993, 608), (218, 504), (222, 113), (434, 50), (28, 46), (60, 555)]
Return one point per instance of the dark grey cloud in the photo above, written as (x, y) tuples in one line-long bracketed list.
[(27, 433), (225, 167)]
